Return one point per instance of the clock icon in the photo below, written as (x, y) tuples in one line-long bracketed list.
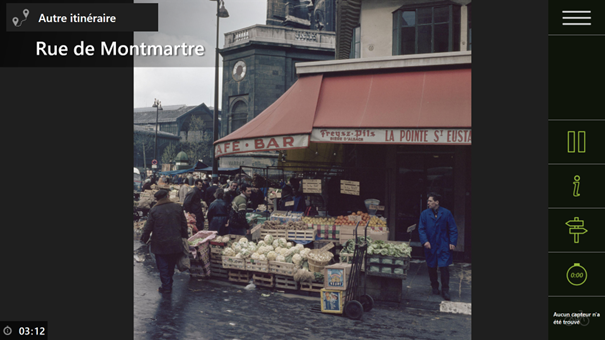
[(239, 70)]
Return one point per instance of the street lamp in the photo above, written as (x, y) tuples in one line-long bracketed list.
[(221, 12), (158, 105)]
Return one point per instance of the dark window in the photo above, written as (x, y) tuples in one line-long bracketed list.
[(238, 116), (356, 44), (169, 127), (470, 36), (426, 30)]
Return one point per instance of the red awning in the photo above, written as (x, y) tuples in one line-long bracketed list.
[(425, 107)]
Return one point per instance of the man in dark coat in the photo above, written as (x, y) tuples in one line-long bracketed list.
[(169, 226), (218, 214), (193, 204), (439, 235), (210, 192), (231, 193)]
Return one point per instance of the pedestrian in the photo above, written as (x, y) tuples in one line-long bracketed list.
[(286, 203), (439, 235), (237, 216), (183, 191), (231, 193), (210, 192), (218, 213), (193, 204), (190, 179), (147, 185), (206, 182), (169, 226)]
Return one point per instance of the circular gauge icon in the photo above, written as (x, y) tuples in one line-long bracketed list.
[(577, 275)]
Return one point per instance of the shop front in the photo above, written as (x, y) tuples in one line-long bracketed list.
[(405, 132)]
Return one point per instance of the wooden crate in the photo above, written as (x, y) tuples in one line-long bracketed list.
[(216, 259), (311, 286), (239, 276), (386, 266), (257, 266), (286, 282), (263, 280), (301, 235), (348, 258), (336, 276), (234, 263), (282, 268), (217, 247), (281, 233), (218, 271)]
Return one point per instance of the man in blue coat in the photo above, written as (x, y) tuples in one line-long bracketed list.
[(438, 235)]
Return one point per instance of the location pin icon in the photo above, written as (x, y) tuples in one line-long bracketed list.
[(15, 21), (26, 13)]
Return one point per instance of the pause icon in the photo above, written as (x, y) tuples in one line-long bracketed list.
[(571, 142)]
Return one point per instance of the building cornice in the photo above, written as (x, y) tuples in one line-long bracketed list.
[(382, 63)]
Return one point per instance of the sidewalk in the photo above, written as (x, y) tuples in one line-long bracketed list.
[(417, 291)]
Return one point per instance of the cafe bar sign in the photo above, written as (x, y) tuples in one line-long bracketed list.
[(393, 136)]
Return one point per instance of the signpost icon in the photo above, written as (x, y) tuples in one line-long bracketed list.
[(576, 228)]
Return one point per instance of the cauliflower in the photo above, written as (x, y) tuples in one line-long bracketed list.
[(280, 258), (296, 259), (237, 247), (255, 256), (246, 253), (271, 256), (299, 246), (228, 252), (269, 239), (276, 244), (252, 244), (288, 245), (262, 257), (282, 242), (243, 240), (238, 256), (261, 243), (288, 252), (305, 253), (270, 247), (225, 239)]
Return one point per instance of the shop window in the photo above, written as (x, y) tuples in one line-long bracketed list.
[(356, 44), (426, 29), (169, 127)]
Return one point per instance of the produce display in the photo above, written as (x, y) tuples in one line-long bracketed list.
[(345, 220), (268, 249), (375, 221), (277, 225), (349, 246), (280, 214), (319, 220), (389, 249)]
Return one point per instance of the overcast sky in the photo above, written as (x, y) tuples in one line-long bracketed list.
[(188, 80)]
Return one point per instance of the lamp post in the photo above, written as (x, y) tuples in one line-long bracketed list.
[(221, 12), (158, 105)]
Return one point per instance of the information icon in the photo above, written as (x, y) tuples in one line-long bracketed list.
[(577, 275)]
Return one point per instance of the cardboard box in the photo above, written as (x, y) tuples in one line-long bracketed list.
[(332, 301), (336, 276)]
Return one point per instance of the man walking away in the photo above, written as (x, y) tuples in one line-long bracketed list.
[(193, 204), (169, 226), (438, 235), (239, 225)]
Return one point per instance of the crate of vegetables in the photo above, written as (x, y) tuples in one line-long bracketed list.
[(282, 268), (388, 259), (255, 265), (233, 262)]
